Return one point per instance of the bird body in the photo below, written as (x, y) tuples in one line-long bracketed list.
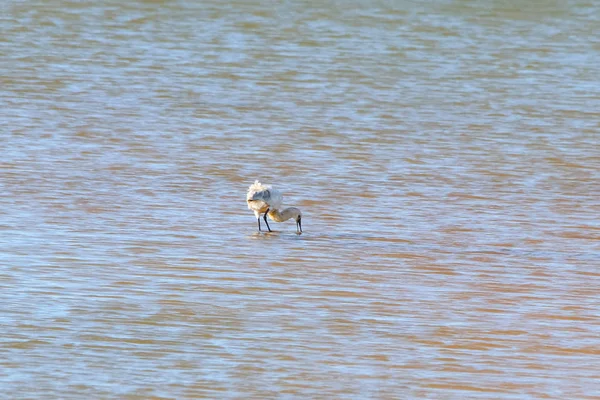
[(263, 199)]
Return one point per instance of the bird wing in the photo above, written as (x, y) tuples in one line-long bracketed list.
[(273, 198), (255, 190), (265, 193)]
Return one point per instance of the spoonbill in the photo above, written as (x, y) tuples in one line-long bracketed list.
[(264, 199)]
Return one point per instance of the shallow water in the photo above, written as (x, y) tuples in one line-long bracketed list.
[(445, 155)]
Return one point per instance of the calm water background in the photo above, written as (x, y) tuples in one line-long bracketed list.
[(445, 154)]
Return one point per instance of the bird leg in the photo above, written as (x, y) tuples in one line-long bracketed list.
[(265, 217), (258, 219), (299, 225)]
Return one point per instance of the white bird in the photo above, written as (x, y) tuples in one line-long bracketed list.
[(264, 199)]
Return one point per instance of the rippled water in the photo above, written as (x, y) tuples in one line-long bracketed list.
[(445, 155)]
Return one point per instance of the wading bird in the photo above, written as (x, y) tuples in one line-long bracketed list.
[(264, 199)]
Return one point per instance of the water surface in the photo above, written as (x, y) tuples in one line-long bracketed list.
[(445, 155)]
